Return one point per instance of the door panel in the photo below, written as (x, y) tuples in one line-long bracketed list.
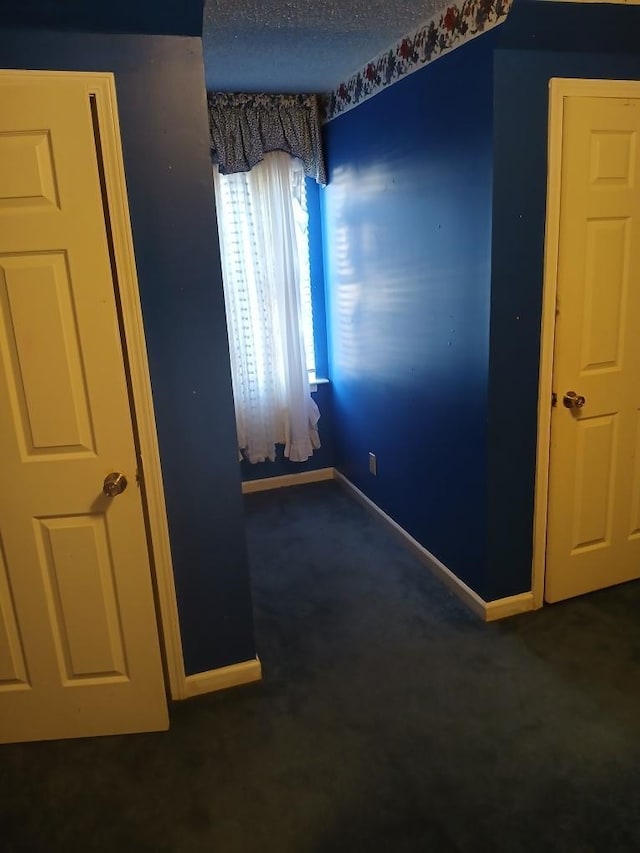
[(595, 454), (85, 647), (26, 170), (42, 344), (605, 290), (594, 470), (79, 651)]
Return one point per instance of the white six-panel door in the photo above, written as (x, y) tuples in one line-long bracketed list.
[(593, 518), (79, 652)]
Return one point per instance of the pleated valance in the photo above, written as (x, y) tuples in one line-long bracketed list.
[(244, 128)]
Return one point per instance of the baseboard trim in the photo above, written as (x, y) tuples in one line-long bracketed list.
[(222, 678), (486, 610), (267, 483), (501, 608), (464, 592)]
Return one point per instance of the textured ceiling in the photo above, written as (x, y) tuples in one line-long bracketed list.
[(279, 46)]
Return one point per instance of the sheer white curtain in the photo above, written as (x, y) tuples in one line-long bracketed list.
[(260, 248)]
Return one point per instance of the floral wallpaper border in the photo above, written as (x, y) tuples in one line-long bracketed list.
[(450, 28)]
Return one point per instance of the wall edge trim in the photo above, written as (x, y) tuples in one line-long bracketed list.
[(285, 480), (221, 678)]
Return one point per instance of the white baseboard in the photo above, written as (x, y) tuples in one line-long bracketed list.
[(487, 610), (500, 608), (300, 479), (220, 679)]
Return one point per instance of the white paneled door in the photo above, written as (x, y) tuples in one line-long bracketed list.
[(79, 651), (593, 523)]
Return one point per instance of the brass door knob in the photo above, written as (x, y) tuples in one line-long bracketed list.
[(114, 484), (571, 400)]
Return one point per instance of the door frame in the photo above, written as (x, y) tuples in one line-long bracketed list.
[(101, 85), (559, 89)]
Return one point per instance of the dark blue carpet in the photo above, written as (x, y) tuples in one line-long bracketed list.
[(389, 719)]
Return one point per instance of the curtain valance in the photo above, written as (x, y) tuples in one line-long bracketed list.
[(244, 128)]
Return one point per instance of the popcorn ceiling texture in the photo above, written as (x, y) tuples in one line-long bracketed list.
[(301, 46), (329, 15)]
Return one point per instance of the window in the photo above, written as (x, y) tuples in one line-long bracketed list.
[(263, 228)]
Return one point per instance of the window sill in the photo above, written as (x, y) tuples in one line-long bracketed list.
[(313, 383)]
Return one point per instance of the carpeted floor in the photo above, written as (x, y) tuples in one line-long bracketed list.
[(389, 719)]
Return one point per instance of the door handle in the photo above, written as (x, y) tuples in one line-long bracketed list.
[(571, 400), (114, 484)]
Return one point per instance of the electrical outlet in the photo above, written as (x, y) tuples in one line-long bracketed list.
[(373, 464)]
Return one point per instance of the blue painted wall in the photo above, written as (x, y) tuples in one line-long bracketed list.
[(168, 17), (161, 100), (538, 41), (407, 229)]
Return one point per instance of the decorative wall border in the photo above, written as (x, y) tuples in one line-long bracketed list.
[(452, 27)]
